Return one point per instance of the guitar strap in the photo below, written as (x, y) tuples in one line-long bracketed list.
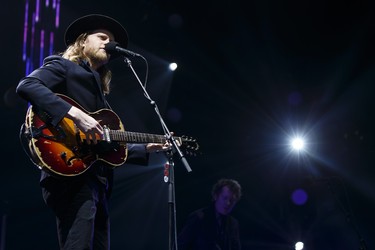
[(107, 104)]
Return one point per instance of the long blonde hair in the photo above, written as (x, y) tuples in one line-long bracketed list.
[(74, 53)]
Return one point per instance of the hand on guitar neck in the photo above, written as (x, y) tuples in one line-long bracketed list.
[(157, 147)]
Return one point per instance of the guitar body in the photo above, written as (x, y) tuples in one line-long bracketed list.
[(62, 149)]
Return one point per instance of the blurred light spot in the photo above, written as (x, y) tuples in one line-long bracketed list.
[(299, 197), (299, 245), (173, 66)]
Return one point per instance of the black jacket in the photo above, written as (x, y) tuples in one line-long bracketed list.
[(202, 232)]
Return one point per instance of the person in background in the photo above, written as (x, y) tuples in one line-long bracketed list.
[(80, 203), (212, 227)]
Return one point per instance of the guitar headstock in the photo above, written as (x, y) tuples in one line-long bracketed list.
[(189, 145)]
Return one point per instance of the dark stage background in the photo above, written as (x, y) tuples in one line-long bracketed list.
[(250, 75)]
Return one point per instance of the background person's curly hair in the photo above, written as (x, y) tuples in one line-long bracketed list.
[(233, 186)]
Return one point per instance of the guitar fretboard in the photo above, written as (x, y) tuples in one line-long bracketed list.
[(134, 137)]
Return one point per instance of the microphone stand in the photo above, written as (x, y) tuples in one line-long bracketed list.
[(168, 169)]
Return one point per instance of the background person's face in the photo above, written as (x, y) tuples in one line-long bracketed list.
[(225, 201)]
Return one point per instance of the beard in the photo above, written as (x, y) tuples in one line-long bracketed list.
[(97, 57)]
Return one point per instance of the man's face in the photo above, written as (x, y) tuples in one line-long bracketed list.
[(94, 46), (225, 201)]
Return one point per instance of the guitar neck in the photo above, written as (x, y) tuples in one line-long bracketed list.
[(135, 137)]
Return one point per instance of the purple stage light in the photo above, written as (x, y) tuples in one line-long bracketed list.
[(299, 197), (42, 19)]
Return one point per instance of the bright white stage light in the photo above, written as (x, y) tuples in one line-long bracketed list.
[(297, 144), (173, 66), (299, 245)]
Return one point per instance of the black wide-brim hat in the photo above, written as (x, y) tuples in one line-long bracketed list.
[(94, 22)]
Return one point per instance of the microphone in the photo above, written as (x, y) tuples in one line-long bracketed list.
[(114, 48)]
